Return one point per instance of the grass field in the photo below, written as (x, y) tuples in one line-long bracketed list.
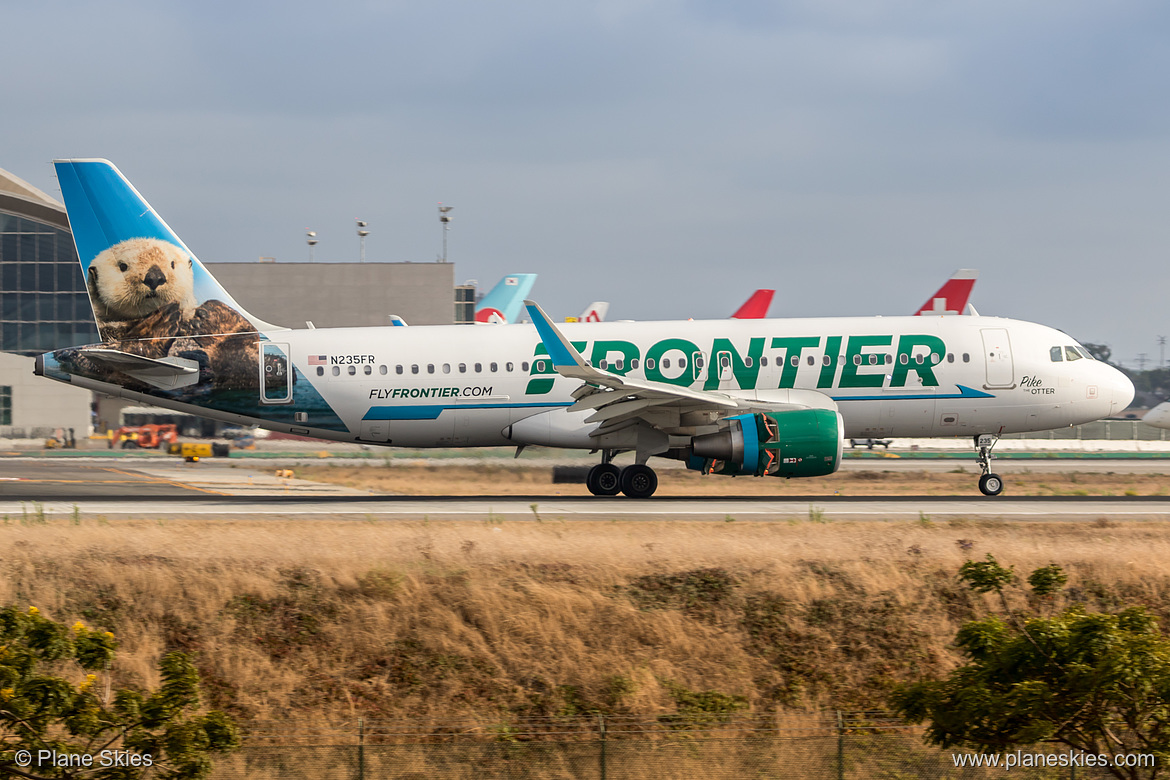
[(321, 619), (418, 479)]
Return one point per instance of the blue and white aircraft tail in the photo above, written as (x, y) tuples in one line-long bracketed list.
[(503, 304)]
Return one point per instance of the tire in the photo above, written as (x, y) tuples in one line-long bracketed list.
[(604, 479), (991, 484), (639, 481)]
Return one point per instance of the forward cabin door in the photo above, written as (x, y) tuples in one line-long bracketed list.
[(997, 352), (275, 373)]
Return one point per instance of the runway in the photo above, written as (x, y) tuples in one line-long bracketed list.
[(170, 489)]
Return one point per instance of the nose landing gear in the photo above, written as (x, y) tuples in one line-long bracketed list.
[(989, 484)]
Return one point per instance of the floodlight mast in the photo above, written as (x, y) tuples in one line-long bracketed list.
[(362, 233), (311, 240), (445, 221)]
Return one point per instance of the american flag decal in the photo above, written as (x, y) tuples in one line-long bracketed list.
[(318, 360)]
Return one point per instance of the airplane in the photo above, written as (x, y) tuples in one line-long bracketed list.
[(952, 297), (755, 307), (1159, 416), (502, 304), (754, 397), (594, 312)]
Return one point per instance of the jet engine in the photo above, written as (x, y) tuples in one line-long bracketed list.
[(798, 443)]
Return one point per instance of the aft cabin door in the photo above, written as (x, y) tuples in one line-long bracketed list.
[(275, 373), (997, 352)]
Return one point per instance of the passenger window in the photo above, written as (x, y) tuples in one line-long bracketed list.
[(494, 367), (826, 360), (446, 368), (666, 362), (540, 366), (724, 361), (873, 359), (382, 370), (414, 369), (857, 360), (1071, 353), (812, 361), (918, 359), (617, 364), (1057, 354), (320, 370), (398, 369), (903, 358), (682, 362), (337, 371), (430, 368), (478, 368), (699, 362), (795, 360), (368, 369), (352, 370), (747, 361), (966, 357), (935, 358), (603, 364), (649, 363), (524, 366), (508, 366), (462, 368), (950, 357), (763, 360), (633, 363)]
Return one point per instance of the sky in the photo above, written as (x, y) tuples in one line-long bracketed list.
[(668, 157)]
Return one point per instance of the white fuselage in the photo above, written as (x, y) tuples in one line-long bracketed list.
[(457, 386)]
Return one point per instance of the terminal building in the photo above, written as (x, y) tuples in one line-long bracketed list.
[(44, 306)]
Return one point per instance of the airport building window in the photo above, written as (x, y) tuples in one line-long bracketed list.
[(43, 302), (5, 405)]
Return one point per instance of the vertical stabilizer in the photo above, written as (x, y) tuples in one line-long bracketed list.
[(143, 282), (503, 303)]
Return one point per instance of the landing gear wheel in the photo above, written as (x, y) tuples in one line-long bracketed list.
[(604, 479), (639, 481), (991, 484)]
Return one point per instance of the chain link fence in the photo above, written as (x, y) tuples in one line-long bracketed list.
[(822, 746), (1102, 430)]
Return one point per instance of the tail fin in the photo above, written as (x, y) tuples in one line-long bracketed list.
[(503, 303), (756, 307), (143, 282), (595, 312), (952, 297)]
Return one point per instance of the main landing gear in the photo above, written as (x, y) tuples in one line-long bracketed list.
[(636, 481), (989, 484)]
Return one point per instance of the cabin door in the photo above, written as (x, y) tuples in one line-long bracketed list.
[(275, 373), (997, 352)]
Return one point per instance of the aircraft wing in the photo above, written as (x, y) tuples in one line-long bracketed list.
[(618, 399), (166, 373)]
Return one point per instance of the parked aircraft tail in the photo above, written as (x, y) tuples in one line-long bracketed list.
[(595, 312), (952, 297), (502, 305), (756, 307)]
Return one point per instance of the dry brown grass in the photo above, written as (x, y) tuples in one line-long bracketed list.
[(412, 479), (331, 619)]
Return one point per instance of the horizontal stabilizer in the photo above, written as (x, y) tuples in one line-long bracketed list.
[(165, 373)]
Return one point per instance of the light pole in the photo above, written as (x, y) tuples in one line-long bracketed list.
[(1161, 352), (311, 240), (445, 221), (362, 233)]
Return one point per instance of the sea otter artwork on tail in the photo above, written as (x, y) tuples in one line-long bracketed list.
[(152, 299)]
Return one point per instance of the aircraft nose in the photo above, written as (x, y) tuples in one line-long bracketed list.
[(1121, 391)]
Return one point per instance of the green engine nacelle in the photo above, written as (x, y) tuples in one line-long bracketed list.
[(800, 443)]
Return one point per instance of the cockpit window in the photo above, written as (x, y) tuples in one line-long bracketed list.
[(1071, 353), (1085, 353), (1057, 354)]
